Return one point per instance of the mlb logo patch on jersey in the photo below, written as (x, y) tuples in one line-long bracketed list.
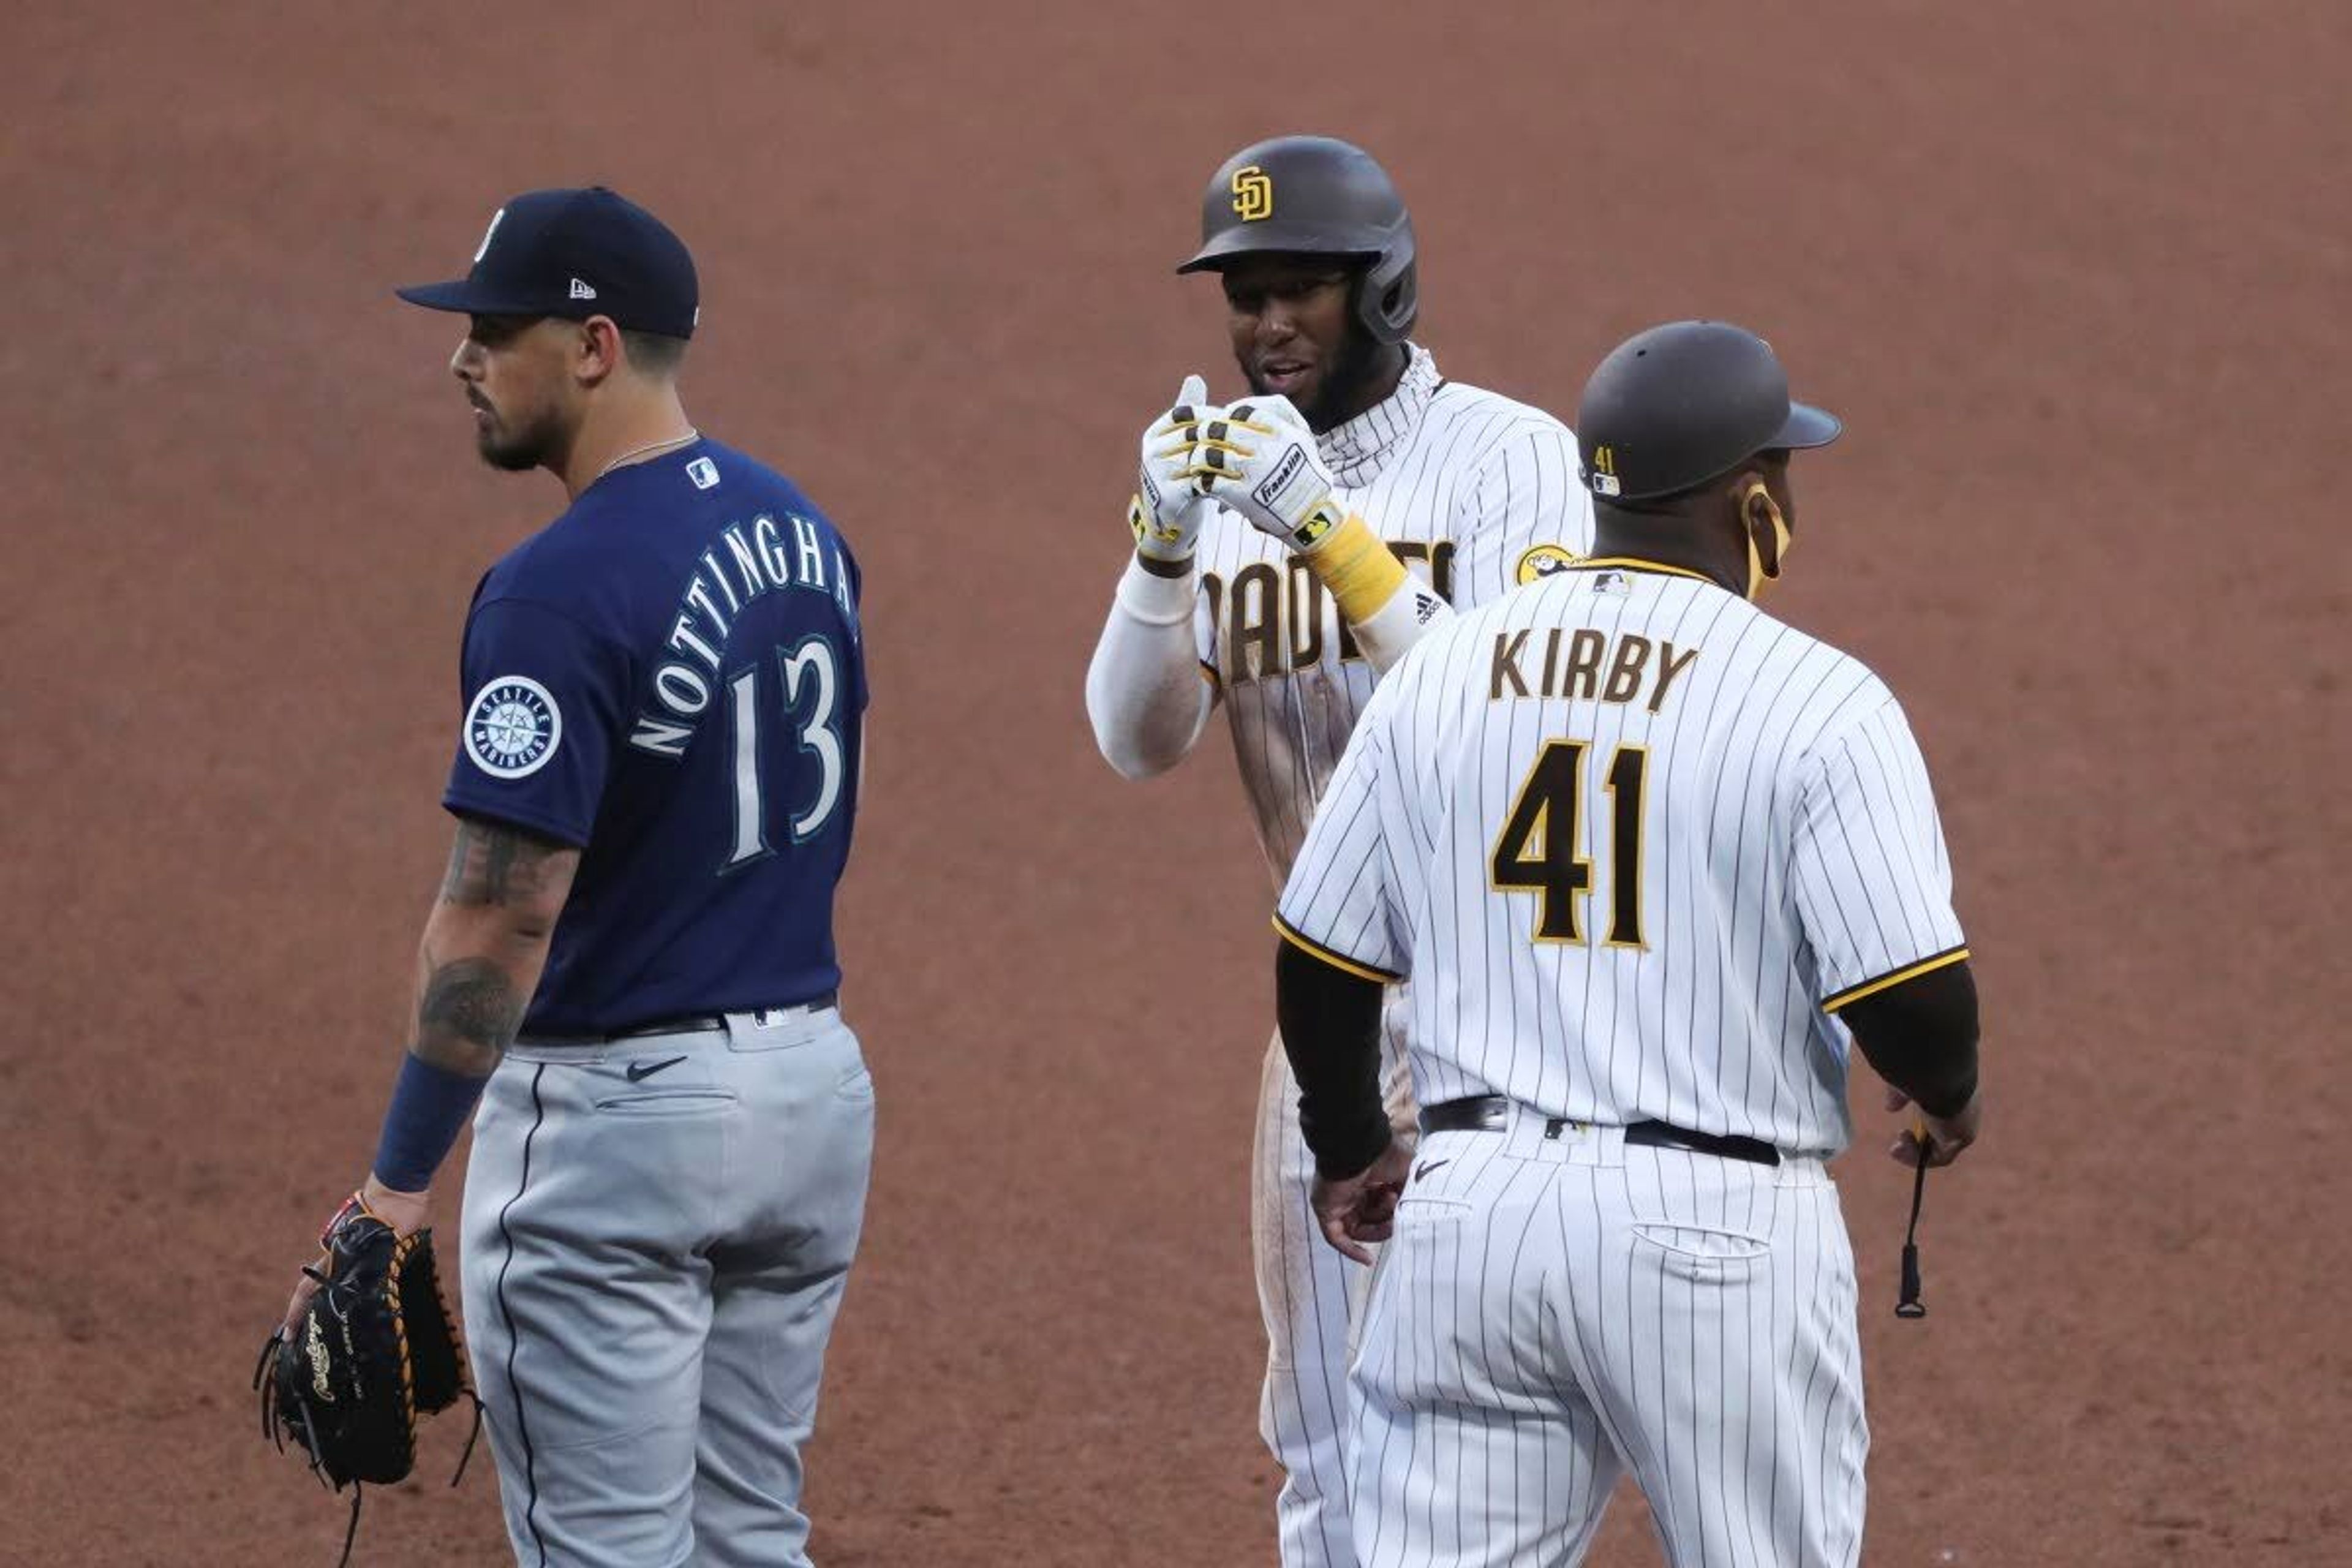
[(704, 473), (512, 727), (1543, 560)]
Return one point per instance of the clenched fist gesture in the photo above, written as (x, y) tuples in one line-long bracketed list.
[(1166, 511), (1258, 457)]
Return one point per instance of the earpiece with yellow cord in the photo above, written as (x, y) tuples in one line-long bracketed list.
[(1758, 510)]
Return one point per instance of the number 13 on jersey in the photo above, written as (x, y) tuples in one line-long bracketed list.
[(1540, 849), (807, 685)]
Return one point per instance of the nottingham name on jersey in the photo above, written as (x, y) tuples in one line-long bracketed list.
[(670, 677), (1635, 842), (1475, 493)]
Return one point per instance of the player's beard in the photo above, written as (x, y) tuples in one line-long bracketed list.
[(1341, 385), (518, 448)]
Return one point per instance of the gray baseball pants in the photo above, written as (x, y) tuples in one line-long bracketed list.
[(657, 1231)]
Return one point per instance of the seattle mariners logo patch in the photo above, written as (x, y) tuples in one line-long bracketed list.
[(1253, 194), (512, 727), (1542, 561)]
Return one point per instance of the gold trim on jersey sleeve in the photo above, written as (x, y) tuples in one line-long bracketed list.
[(1943, 960), (1313, 949), (1635, 564)]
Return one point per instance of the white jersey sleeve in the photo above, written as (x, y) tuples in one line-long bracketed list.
[(1526, 515), (1342, 901), (1871, 878), (1145, 692)]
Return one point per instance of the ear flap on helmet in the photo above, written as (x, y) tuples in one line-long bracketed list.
[(1388, 295)]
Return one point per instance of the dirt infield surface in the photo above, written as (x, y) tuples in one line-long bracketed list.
[(2076, 273)]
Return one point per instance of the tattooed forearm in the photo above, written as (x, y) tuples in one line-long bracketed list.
[(493, 864), (486, 941), (468, 1014)]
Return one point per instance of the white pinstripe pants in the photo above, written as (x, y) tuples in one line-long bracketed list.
[(1311, 1299), (1552, 1312)]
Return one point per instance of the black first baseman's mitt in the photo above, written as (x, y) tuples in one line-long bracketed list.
[(375, 1349)]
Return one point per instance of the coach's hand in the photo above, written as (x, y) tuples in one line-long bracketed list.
[(1361, 1208), (1259, 459), (1945, 1136), (1168, 507)]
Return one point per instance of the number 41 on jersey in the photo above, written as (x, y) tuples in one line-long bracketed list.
[(1539, 851)]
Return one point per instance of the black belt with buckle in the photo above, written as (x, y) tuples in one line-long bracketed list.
[(693, 1023), (1492, 1113)]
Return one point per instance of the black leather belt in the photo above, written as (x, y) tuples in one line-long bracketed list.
[(693, 1023), (1492, 1113)]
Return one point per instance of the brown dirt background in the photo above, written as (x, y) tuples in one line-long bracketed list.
[(2071, 271)]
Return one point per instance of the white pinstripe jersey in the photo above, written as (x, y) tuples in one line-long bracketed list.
[(1476, 494), (1635, 841)]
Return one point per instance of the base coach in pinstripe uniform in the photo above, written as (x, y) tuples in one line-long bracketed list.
[(1653, 862)]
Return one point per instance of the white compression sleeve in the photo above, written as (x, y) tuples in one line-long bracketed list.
[(1388, 607), (1412, 612), (1146, 692)]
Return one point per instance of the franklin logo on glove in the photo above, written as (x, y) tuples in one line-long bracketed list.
[(1269, 493)]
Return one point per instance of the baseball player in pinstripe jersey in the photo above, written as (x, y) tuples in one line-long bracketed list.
[(1270, 577), (1653, 862)]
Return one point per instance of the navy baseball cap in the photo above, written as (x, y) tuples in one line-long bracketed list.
[(1681, 405), (575, 254)]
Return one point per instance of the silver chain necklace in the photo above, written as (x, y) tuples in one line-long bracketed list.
[(646, 450)]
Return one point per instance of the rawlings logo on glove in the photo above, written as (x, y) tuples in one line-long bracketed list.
[(375, 1349)]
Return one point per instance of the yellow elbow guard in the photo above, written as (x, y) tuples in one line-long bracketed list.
[(1361, 572)]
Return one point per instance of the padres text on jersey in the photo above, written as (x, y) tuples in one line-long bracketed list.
[(1475, 492)]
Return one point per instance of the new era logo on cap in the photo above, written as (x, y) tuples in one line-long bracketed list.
[(542, 248)]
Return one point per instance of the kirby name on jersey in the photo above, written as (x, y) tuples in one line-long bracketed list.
[(1586, 664), (748, 567)]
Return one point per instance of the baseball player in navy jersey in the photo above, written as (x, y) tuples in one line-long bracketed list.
[(1654, 863), (1287, 549), (631, 962)]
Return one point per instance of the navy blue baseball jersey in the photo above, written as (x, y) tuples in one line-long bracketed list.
[(670, 677)]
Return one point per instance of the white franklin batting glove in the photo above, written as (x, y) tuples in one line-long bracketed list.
[(1168, 508), (1258, 457)]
